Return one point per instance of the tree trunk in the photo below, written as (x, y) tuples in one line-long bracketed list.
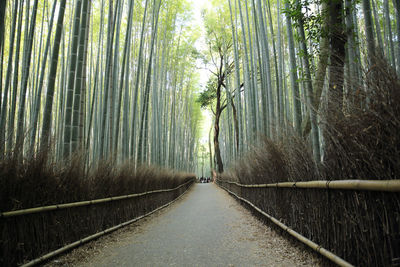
[(40, 85), (293, 74), (237, 82), (25, 75), (336, 70), (308, 89), (378, 28), (8, 79), (137, 79), (218, 111), (52, 78), (396, 4), (71, 81), (210, 149), (220, 166), (3, 5), (369, 30), (236, 125), (389, 33), (143, 137)]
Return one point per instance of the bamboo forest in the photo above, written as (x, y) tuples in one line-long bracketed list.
[(112, 110)]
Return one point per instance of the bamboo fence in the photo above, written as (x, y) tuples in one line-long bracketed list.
[(83, 203), (368, 185), (107, 231), (324, 252)]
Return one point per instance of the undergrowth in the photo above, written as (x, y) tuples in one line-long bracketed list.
[(40, 181)]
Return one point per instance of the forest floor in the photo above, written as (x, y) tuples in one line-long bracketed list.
[(206, 227)]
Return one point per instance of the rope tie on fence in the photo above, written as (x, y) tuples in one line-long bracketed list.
[(327, 184)]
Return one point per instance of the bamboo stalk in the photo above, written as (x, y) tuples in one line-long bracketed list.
[(82, 203), (326, 253), (367, 185), (94, 236)]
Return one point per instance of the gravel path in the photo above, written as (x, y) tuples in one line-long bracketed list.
[(207, 227)]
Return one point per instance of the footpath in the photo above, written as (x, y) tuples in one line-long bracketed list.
[(207, 227)]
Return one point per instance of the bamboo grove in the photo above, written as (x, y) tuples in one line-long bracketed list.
[(110, 79), (276, 62)]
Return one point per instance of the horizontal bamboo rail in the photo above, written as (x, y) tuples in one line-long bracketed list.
[(367, 185), (326, 253), (97, 235), (82, 203)]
